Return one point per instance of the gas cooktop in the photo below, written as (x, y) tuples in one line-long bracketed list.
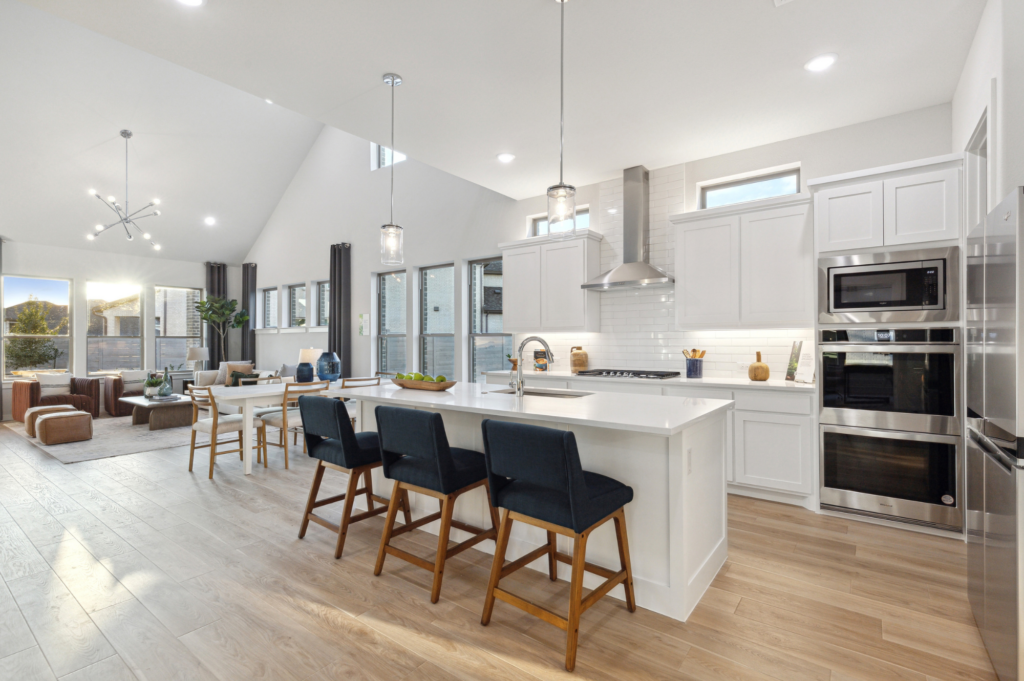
[(628, 373)]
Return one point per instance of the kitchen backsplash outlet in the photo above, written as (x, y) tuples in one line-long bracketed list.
[(638, 327)]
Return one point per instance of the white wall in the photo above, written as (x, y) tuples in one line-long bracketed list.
[(336, 198), (82, 266)]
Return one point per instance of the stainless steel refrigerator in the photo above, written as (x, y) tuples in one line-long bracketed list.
[(995, 467)]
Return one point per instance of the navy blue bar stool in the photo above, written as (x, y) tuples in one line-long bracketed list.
[(331, 439), (536, 478), (416, 455)]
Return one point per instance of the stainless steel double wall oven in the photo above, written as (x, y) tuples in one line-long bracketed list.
[(891, 427)]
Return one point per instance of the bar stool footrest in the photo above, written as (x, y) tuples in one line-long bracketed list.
[(532, 608)]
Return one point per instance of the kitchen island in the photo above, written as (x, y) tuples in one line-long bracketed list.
[(670, 450)]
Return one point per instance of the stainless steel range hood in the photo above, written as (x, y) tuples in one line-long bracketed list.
[(635, 271)]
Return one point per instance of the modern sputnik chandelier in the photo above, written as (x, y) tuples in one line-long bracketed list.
[(125, 218), (391, 235), (561, 197)]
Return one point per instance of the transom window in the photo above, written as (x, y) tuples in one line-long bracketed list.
[(488, 344), (177, 326), (437, 321), (539, 225), (114, 333), (751, 189), (37, 326), (391, 322), (381, 156)]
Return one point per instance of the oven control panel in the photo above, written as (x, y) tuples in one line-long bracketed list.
[(915, 336)]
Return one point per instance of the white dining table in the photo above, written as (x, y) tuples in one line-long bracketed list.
[(247, 398)]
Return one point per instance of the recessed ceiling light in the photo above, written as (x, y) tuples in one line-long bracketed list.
[(269, 101), (822, 62), (210, 222), (192, 3), (506, 158)]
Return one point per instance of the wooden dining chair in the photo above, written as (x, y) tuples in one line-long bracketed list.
[(289, 418), (217, 424)]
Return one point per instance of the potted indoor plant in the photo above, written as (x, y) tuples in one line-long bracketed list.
[(152, 386)]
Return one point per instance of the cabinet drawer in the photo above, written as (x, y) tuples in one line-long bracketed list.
[(614, 387), (707, 393), (779, 403)]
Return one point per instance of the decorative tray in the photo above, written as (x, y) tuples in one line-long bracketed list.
[(423, 385)]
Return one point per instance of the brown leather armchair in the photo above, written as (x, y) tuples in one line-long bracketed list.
[(113, 391), (85, 396)]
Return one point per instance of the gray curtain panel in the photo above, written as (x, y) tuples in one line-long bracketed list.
[(249, 305), (216, 285), (339, 312)]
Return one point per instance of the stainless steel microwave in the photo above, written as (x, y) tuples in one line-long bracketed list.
[(895, 286)]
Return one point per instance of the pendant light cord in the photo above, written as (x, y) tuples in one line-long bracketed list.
[(392, 151), (561, 97), (126, 176)]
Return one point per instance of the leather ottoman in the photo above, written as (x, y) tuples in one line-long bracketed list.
[(64, 426), (31, 415)]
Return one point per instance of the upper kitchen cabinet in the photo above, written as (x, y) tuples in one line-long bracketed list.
[(906, 203), (541, 284), (747, 265)]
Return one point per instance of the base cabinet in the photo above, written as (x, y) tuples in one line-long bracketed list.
[(773, 451)]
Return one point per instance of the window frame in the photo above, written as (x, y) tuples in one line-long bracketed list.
[(289, 305), (421, 293), (535, 220), (751, 178), (323, 302), (157, 336), (263, 308), (378, 157), (380, 319), (142, 333), (7, 378), (471, 335)]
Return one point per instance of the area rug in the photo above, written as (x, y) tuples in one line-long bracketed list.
[(111, 437)]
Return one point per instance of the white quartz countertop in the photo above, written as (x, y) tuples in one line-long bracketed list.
[(744, 383), (656, 414)]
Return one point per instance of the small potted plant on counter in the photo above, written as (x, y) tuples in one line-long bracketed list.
[(513, 360), (152, 386)]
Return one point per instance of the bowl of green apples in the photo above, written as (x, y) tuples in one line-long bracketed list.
[(418, 381)]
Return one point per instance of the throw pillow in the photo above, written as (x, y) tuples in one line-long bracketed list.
[(134, 381), (54, 384), (231, 367), (287, 370), (222, 374), (235, 375)]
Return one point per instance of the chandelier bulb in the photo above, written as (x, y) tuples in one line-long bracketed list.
[(156, 202), (90, 237), (156, 212), (99, 228), (111, 199), (156, 247), (146, 236), (92, 192)]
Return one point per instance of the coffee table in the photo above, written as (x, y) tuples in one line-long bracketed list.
[(160, 415)]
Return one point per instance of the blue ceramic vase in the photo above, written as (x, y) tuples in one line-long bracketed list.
[(304, 373), (328, 367)]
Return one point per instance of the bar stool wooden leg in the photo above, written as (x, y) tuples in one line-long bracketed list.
[(406, 508), (368, 486), (552, 561), (192, 451), (389, 525), (496, 565), (346, 514), (447, 508), (620, 534), (572, 632), (313, 491)]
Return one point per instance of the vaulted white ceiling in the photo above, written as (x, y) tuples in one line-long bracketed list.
[(204, 148), (656, 82)]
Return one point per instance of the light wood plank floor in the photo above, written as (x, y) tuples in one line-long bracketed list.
[(132, 568)]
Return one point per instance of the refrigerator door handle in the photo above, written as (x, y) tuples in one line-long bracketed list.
[(993, 451)]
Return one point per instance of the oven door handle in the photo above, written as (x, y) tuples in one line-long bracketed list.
[(890, 348), (993, 451)]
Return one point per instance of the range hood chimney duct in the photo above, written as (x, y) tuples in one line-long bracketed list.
[(635, 270)]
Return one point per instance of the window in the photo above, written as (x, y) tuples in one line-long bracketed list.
[(487, 344), (540, 224), (323, 303), (37, 326), (177, 326), (380, 156), (391, 322), (751, 189), (297, 305), (115, 333), (270, 308), (437, 321)]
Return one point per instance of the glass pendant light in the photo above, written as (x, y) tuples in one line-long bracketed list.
[(562, 197), (392, 250)]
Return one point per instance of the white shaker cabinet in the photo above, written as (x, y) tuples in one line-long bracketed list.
[(906, 203), (773, 451), (748, 265), (541, 282)]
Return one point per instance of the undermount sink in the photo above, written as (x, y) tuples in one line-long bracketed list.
[(542, 392)]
